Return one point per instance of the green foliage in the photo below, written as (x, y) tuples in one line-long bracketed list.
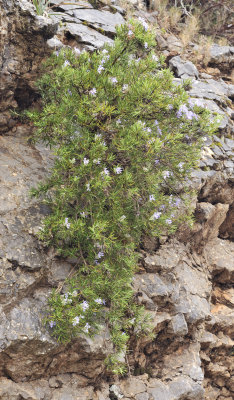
[(125, 140), (41, 6)]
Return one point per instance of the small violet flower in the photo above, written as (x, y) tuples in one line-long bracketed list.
[(85, 305), (86, 161), (76, 321), (144, 23), (99, 301), (118, 121), (118, 170), (66, 223), (130, 32), (93, 91), (52, 324), (125, 88), (97, 161), (166, 174), (66, 63), (146, 45), (114, 80), (168, 221), (151, 197), (106, 171), (100, 69), (100, 254), (180, 165), (86, 328), (156, 215)]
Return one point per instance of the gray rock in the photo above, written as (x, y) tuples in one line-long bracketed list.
[(221, 54), (183, 68), (85, 35), (142, 396), (211, 90), (60, 4), (103, 20), (152, 285), (55, 43), (179, 325), (159, 391)]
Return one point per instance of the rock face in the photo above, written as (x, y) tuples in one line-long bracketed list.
[(186, 284)]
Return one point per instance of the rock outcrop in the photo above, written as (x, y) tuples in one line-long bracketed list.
[(185, 281)]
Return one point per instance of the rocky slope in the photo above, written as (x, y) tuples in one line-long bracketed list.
[(185, 281)]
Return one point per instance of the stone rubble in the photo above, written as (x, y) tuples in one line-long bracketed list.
[(185, 281)]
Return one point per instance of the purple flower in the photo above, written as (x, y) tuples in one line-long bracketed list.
[(166, 174), (93, 91), (151, 197), (88, 187), (156, 215), (97, 161), (85, 305), (100, 69), (146, 45), (152, 140), (66, 223), (168, 221), (144, 23), (159, 131), (177, 202), (156, 122), (156, 161), (83, 214), (180, 165), (114, 80), (124, 88), (99, 301), (76, 321), (100, 254), (154, 57), (57, 53), (130, 33), (149, 130), (66, 63), (86, 328), (69, 92), (170, 107), (106, 171), (118, 170), (52, 324), (118, 121), (104, 51), (86, 161)]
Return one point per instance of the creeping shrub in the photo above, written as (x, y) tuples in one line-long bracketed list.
[(125, 139)]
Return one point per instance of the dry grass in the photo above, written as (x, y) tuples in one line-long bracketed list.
[(202, 54), (190, 30)]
